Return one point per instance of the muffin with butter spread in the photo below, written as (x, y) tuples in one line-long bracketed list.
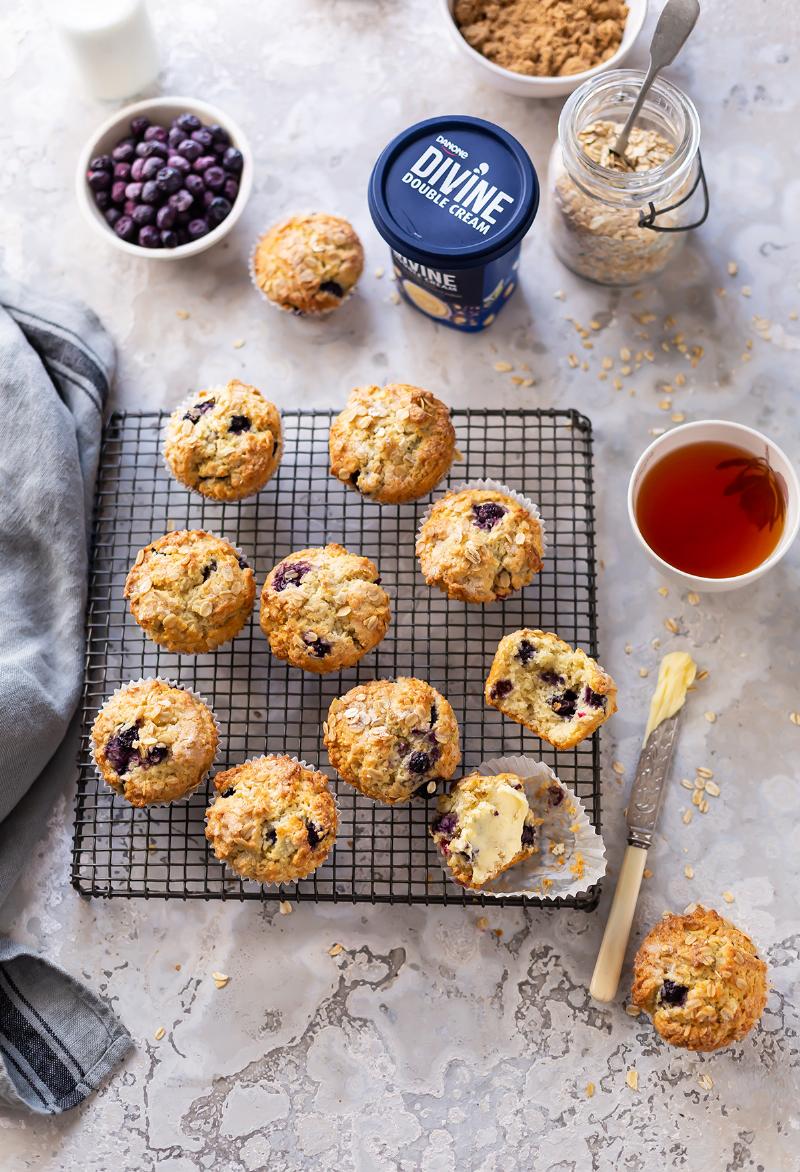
[(308, 265), (484, 826)]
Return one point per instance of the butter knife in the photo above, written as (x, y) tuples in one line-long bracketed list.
[(644, 805)]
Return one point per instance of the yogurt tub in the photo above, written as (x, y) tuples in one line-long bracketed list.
[(453, 198)]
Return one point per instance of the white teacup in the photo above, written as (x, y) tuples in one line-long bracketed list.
[(719, 431)]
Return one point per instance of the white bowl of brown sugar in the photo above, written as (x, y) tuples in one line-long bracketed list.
[(541, 49)]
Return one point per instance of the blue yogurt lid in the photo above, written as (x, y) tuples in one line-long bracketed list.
[(454, 189)]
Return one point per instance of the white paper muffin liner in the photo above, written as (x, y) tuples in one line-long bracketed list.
[(251, 268), (285, 882), (492, 486), (183, 405), (570, 854), (183, 688)]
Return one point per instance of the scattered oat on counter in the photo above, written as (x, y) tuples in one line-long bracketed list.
[(632, 1079), (160, 1033), (794, 717), (482, 923), (733, 268), (746, 291), (672, 626), (335, 949), (618, 767), (728, 896), (183, 314), (710, 717), (503, 367), (663, 591), (706, 1081), (220, 979), (632, 1010), (379, 273), (285, 908), (692, 598), (688, 871), (590, 1089), (687, 817), (644, 672), (237, 345)]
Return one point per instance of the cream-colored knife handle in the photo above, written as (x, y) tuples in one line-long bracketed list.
[(605, 978)]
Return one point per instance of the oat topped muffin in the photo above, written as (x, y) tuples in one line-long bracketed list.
[(322, 609), (555, 690), (483, 827), (226, 444), (190, 591), (392, 739), (701, 980), (308, 264), (274, 820), (479, 545), (153, 743), (392, 443)]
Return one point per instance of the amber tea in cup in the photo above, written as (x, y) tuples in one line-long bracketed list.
[(712, 509)]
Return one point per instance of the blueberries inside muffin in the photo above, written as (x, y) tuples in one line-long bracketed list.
[(122, 755), (316, 646), (313, 833), (209, 570), (564, 704), (239, 423), (501, 688), (290, 574), (551, 677), (242, 564), (525, 651), (486, 515), (673, 993), (194, 413), (332, 287), (593, 699), (445, 825)]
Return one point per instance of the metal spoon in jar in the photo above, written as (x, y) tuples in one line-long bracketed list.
[(676, 21)]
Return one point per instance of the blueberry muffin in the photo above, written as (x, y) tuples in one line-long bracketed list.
[(483, 827), (153, 743), (308, 264), (323, 608), (226, 444), (392, 443), (479, 545), (555, 690), (392, 739), (273, 820), (700, 979), (190, 591)]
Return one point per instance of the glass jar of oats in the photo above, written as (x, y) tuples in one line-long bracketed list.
[(619, 222)]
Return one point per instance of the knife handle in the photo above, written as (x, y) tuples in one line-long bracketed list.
[(608, 966)]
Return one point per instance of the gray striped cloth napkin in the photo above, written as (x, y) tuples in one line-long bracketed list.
[(58, 1041)]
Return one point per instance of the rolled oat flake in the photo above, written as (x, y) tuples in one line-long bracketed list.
[(453, 197), (614, 221)]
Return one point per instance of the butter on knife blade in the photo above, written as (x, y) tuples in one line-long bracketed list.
[(675, 676)]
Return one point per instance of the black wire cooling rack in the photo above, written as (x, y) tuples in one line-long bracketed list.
[(382, 854)]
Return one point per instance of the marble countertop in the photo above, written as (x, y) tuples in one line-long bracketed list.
[(430, 1041)]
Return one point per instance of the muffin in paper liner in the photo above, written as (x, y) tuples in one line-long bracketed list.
[(185, 404), (234, 876), (492, 486), (170, 684), (570, 854), (306, 316)]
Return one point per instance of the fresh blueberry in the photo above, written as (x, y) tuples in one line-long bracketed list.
[(203, 163), (486, 515), (197, 228), (155, 755), (98, 180), (238, 424), (165, 217), (230, 189), (525, 651), (243, 564), (118, 191), (125, 228), (194, 413), (179, 163), (233, 160), (564, 704), (129, 207), (155, 134), (270, 836), (143, 214), (332, 287), (528, 834), (102, 163), (419, 762), (150, 237), (169, 239), (210, 568), (218, 210), (319, 648), (219, 133), (148, 150), (551, 677), (150, 192), (119, 748), (219, 149), (188, 122), (290, 574), (102, 199), (133, 191), (208, 199), (445, 825), (194, 185), (189, 149), (501, 689), (555, 795), (214, 178), (139, 126), (673, 993), (151, 166), (169, 180), (124, 152), (181, 201), (314, 836), (593, 699), (203, 137), (175, 137), (125, 170)]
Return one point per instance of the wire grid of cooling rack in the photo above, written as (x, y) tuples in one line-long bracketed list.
[(382, 854)]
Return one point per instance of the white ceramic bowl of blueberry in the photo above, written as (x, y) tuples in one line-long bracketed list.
[(134, 182)]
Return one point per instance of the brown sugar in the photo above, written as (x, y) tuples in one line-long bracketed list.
[(543, 38)]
